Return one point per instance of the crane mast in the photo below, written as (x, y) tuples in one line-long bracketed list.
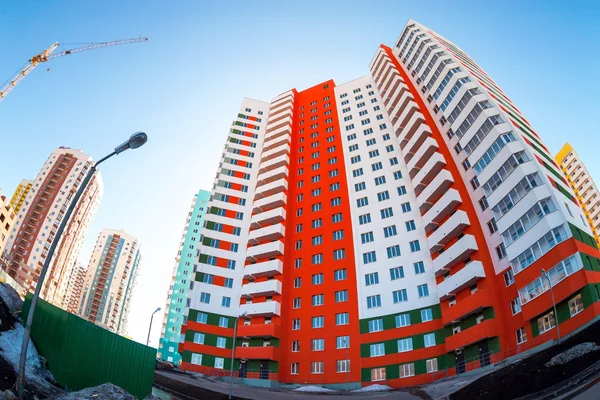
[(49, 54)]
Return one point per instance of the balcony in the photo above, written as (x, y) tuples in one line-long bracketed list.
[(468, 275), (257, 352), (270, 189), (417, 140), (264, 309), (277, 142), (276, 133), (272, 175), (259, 330), (277, 151), (476, 333), (266, 218), (448, 230), (406, 132), (416, 160), (460, 250), (266, 288), (275, 162), (268, 203), (266, 250), (277, 124), (265, 268), (268, 233), (440, 184), (468, 306), (409, 110), (426, 174), (441, 209)]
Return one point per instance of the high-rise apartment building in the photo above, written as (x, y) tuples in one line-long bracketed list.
[(7, 219), (110, 280), (583, 185), (75, 288), (183, 274), (20, 194), (40, 215), (390, 229)]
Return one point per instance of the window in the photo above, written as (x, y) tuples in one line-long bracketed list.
[(375, 325), (373, 301), (366, 237), (509, 278), (317, 345), (219, 362), (297, 283), (419, 267), (397, 175), (338, 235), (432, 365), (341, 296), (298, 263), (339, 254), (410, 225), (226, 302), (342, 366), (378, 374), (372, 279), (318, 322), (415, 246), (521, 335), (369, 257), (316, 207), (317, 240), (335, 218), (317, 279), (393, 251), (317, 223), (407, 370), (342, 342), (373, 153), (423, 290), (295, 346), (364, 219), (318, 300), (429, 339), (196, 359), (221, 342), (205, 298), (402, 320), (396, 273), (399, 296), (357, 172), (295, 368), (336, 201), (333, 173), (405, 207), (317, 367), (317, 259), (387, 213), (342, 319), (297, 302), (296, 324), (377, 350), (199, 338), (426, 315), (501, 251), (201, 318), (405, 345), (359, 186), (339, 275), (380, 180), (382, 196), (515, 306), (390, 231), (576, 305)]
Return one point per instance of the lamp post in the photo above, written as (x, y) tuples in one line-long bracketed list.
[(136, 140), (545, 274), (235, 324), (150, 327), (347, 365)]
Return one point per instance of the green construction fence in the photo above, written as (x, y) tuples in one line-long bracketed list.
[(80, 354)]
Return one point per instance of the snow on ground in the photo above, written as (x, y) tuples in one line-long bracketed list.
[(374, 388), (573, 353), (313, 389)]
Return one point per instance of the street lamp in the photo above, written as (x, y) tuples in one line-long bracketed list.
[(545, 274), (235, 324), (150, 327), (136, 140)]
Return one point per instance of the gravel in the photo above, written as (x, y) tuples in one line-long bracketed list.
[(313, 389), (573, 353), (106, 391), (374, 388)]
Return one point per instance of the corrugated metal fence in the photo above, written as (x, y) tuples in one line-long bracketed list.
[(81, 354)]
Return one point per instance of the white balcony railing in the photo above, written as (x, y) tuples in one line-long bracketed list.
[(270, 202), (434, 190), (268, 233), (270, 189), (448, 230), (265, 250), (264, 309), (441, 209), (460, 250), (265, 268), (462, 279), (267, 218)]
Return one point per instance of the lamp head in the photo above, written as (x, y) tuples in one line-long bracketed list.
[(136, 140), (157, 310)]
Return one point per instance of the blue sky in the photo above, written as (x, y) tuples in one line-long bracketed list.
[(184, 87)]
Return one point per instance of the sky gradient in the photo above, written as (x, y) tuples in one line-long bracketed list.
[(185, 85)]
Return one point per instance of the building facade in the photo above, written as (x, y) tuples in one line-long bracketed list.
[(181, 277), (583, 185), (38, 219), (390, 229), (75, 288), (20, 194), (7, 220), (110, 280)]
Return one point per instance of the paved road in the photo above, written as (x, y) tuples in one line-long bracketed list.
[(264, 394), (593, 393)]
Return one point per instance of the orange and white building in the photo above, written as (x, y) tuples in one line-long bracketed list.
[(390, 229), (39, 216)]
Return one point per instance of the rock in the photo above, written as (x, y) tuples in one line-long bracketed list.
[(573, 353), (106, 391)]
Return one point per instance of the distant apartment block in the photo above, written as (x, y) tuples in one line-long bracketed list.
[(75, 288), (110, 280), (182, 275), (39, 216), (390, 229), (7, 220), (583, 185), (20, 194)]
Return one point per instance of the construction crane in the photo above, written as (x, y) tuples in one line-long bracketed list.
[(48, 55)]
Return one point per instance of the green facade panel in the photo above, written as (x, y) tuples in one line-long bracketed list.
[(389, 321)]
